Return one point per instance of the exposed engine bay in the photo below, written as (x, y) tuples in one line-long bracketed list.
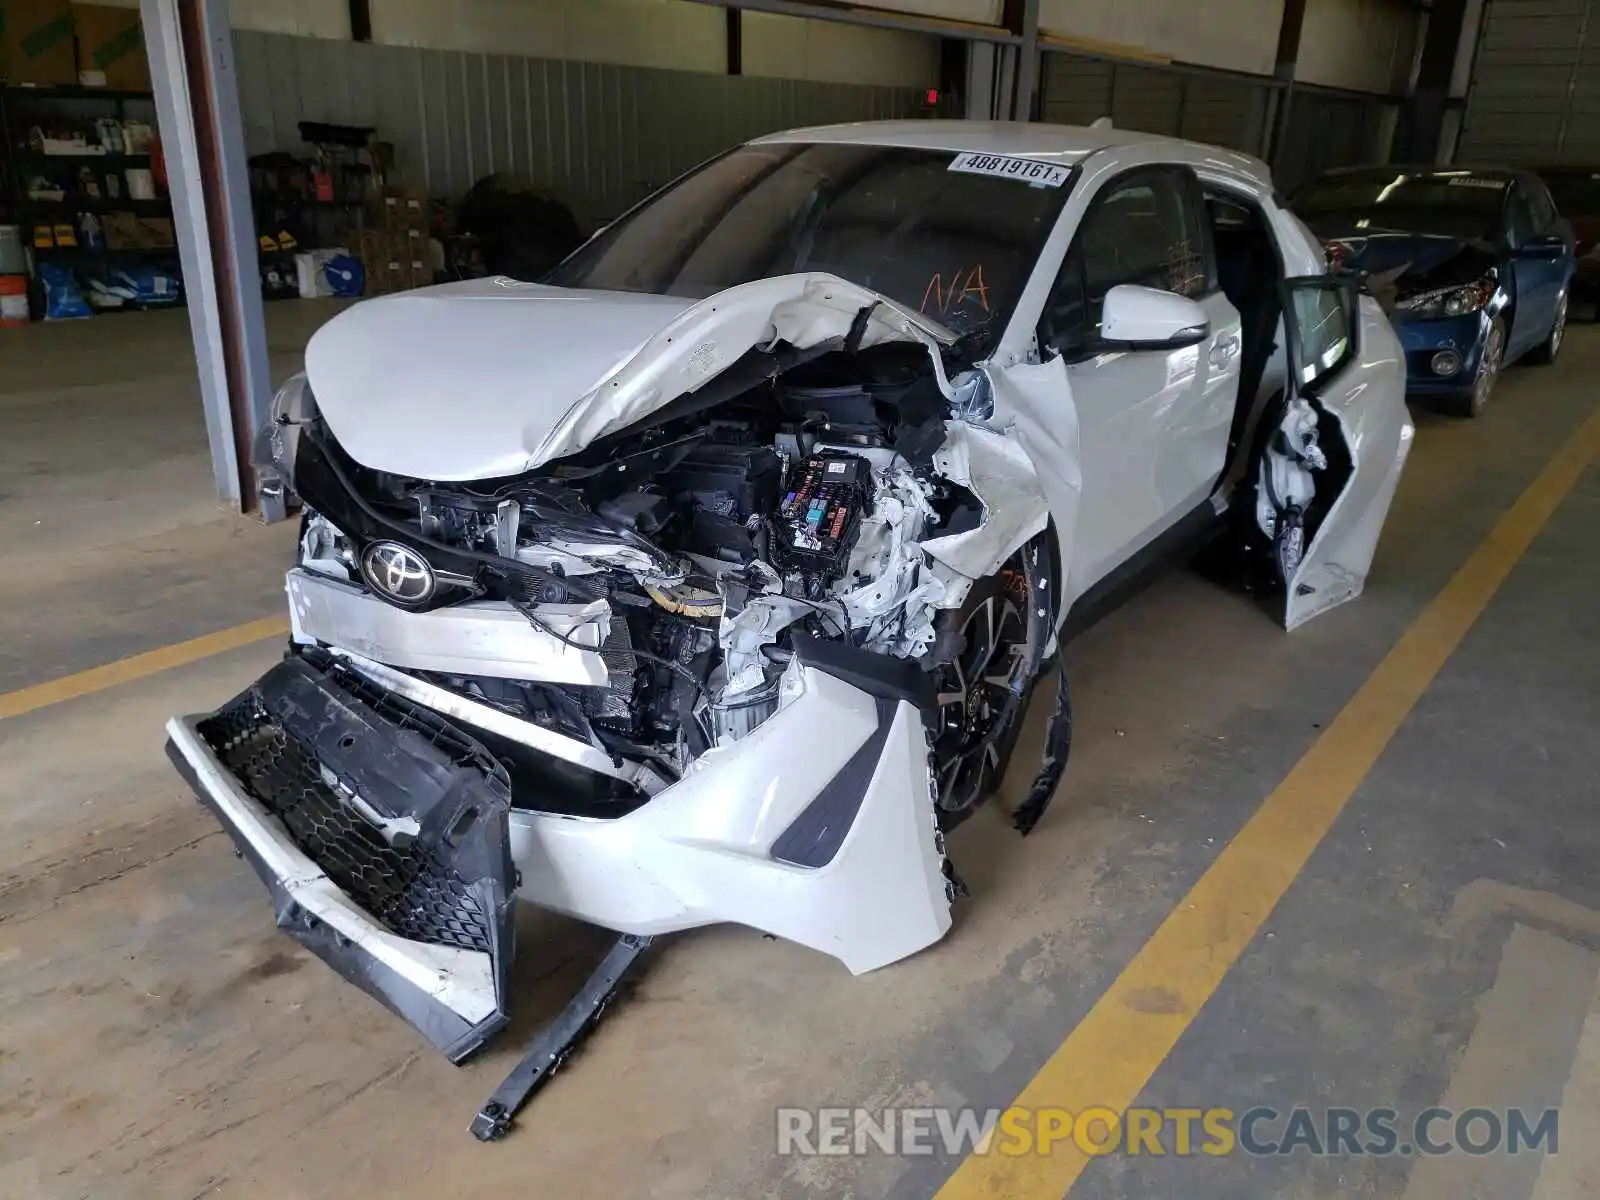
[(686, 553)]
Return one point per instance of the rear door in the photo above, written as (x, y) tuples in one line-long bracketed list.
[(1152, 424)]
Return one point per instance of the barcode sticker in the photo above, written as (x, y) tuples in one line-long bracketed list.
[(1024, 170)]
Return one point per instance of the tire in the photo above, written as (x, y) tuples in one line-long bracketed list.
[(1545, 352), (1471, 403), (970, 755)]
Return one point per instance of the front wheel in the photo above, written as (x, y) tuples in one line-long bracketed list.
[(978, 718), (1545, 352), (1489, 363)]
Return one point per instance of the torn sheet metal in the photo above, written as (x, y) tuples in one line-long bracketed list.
[(1033, 404), (894, 604), (998, 471)]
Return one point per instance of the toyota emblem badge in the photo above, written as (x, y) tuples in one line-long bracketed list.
[(397, 573)]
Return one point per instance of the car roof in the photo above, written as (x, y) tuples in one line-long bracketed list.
[(1067, 144)]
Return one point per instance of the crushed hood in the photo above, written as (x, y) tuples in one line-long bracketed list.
[(493, 377), (1403, 264)]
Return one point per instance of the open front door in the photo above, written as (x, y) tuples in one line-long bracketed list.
[(1306, 465)]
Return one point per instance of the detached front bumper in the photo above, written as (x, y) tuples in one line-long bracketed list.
[(412, 902), (386, 834)]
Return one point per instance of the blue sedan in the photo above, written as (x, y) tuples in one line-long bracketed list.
[(1474, 266)]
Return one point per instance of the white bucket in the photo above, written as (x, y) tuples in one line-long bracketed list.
[(14, 308)]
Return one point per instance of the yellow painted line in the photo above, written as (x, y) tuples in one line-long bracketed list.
[(139, 666), (1112, 1053)]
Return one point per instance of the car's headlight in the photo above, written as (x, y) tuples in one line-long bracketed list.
[(325, 549), (277, 440), (1455, 301)]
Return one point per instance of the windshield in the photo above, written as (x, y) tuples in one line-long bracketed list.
[(930, 229), (1576, 193), (1456, 203)]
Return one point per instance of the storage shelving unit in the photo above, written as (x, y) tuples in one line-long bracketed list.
[(20, 106)]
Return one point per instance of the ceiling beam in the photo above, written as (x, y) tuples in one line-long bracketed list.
[(874, 18)]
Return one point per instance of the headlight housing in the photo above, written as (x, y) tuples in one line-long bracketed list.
[(1456, 301), (325, 549), (276, 441)]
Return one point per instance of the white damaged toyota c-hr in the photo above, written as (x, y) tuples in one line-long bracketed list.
[(709, 579)]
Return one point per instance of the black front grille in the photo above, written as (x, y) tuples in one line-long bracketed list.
[(400, 883)]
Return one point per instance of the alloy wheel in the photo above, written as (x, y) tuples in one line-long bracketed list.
[(972, 699), (1488, 367)]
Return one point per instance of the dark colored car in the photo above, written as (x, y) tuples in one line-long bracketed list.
[(1576, 191), (1474, 267)]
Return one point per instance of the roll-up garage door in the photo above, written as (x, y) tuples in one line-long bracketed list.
[(1204, 107), (1535, 92)]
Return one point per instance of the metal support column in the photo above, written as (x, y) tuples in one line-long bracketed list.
[(1027, 62), (979, 91), (1421, 129), (202, 137), (1288, 58)]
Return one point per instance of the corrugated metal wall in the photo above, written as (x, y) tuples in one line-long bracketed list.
[(1535, 94), (1208, 108), (1325, 129), (599, 136)]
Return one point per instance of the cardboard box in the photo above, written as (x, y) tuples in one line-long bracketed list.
[(111, 41), (417, 213), (121, 230), (156, 233), (397, 277), (36, 42), (421, 273), (369, 245), (406, 209)]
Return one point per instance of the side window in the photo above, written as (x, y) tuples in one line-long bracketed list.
[(1148, 228), (1544, 209), (1324, 322), (1519, 217)]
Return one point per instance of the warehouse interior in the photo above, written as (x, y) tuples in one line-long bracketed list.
[(1343, 869)]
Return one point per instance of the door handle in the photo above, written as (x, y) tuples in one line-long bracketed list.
[(1223, 350)]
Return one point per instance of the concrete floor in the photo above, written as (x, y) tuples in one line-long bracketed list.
[(158, 1038)]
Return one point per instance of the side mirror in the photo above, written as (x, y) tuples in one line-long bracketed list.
[(1144, 318), (1546, 245)]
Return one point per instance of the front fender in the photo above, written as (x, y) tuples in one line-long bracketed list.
[(1021, 461)]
